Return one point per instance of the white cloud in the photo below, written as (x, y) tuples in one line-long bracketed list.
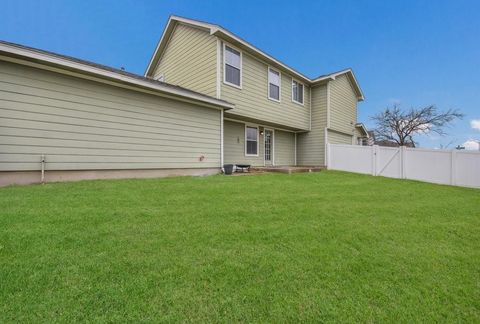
[(475, 124), (393, 101), (423, 129), (471, 145)]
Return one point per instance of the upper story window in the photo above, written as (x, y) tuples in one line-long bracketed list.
[(274, 80), (297, 92), (232, 68)]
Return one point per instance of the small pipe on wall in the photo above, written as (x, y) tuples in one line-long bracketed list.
[(43, 168)]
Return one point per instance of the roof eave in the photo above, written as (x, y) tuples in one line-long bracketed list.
[(218, 31), (362, 126), (167, 31), (162, 43), (228, 36), (29, 55), (333, 76), (222, 33)]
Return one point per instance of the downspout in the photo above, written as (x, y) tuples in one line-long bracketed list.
[(328, 104), (310, 102), (218, 95), (326, 147), (296, 148), (221, 139), (219, 67), (328, 125)]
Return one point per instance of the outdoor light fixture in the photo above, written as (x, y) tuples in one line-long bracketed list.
[(261, 132)]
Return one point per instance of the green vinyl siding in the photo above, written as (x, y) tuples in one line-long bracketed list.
[(343, 105), (234, 145), (252, 100), (190, 60), (311, 145), (358, 134), (83, 125), (339, 138), (284, 149)]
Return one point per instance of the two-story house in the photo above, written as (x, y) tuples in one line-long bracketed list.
[(207, 98), (281, 117)]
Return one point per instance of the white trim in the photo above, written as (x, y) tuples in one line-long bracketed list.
[(219, 68), (341, 132), (303, 92), (328, 104), (333, 76), (273, 144), (221, 139), (103, 73), (225, 70), (295, 149), (218, 31), (362, 126), (167, 27), (310, 89), (326, 148), (260, 125), (163, 53), (257, 51), (279, 84), (272, 148), (258, 139)]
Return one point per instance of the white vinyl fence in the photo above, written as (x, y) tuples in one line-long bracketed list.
[(453, 167)]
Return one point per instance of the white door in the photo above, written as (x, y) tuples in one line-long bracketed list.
[(268, 147)]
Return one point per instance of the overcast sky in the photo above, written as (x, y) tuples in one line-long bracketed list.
[(414, 53)]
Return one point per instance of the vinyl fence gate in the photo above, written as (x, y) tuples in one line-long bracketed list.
[(453, 167)]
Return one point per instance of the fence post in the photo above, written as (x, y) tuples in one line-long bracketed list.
[(329, 156), (453, 168), (374, 159), (403, 162)]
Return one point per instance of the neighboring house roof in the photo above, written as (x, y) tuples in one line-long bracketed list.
[(221, 32), (362, 127), (392, 143), (371, 134), (13, 52)]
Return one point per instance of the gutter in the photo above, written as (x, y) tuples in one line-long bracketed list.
[(19, 54)]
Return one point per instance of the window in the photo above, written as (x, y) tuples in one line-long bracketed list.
[(297, 92), (232, 66), (251, 140), (273, 84)]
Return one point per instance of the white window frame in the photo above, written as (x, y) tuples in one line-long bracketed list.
[(258, 139), (279, 84), (303, 93), (225, 63), (272, 148)]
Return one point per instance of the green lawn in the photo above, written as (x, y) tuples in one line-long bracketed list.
[(326, 246)]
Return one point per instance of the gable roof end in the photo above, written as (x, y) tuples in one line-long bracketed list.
[(224, 34), (216, 30), (363, 128), (351, 77)]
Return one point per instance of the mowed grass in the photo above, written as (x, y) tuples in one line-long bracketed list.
[(329, 246)]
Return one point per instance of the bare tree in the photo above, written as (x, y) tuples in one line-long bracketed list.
[(446, 146), (400, 127)]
